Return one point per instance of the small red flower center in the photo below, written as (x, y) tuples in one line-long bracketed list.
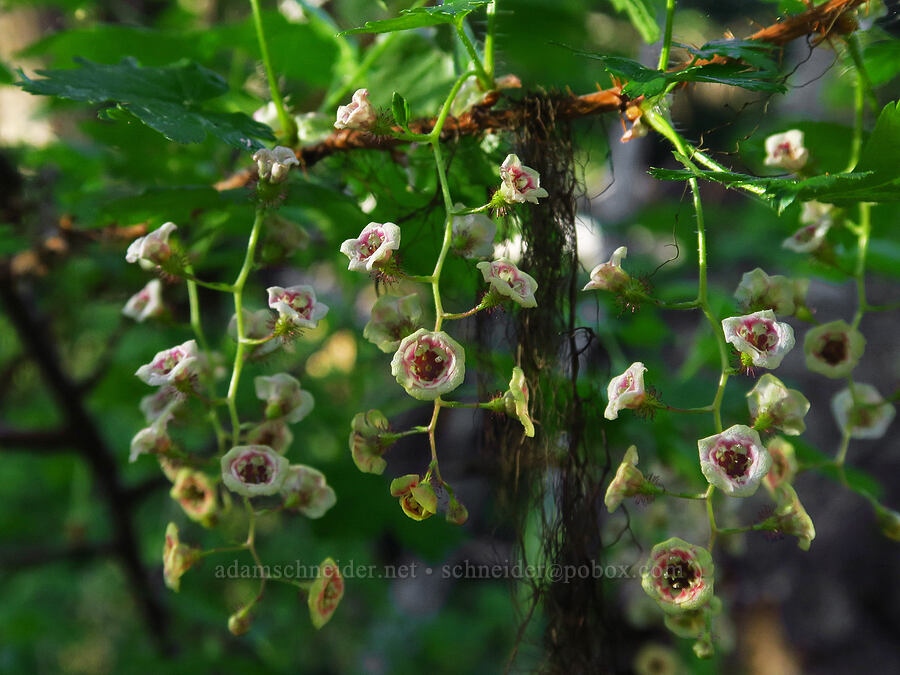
[(805, 235), (428, 363), (299, 302), (165, 365), (834, 349), (254, 470), (680, 574), (784, 149), (760, 334), (370, 243), (733, 458)]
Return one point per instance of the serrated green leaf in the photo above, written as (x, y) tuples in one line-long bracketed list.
[(642, 17), (421, 17), (753, 52), (166, 99)]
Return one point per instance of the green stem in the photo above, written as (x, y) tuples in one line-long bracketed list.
[(713, 530), (687, 411), (487, 82), (435, 133), (463, 315), (683, 495), (667, 37), (212, 285), (288, 127), (489, 40), (861, 73), (856, 143), (865, 231), (239, 321)]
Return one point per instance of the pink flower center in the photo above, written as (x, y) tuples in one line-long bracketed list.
[(806, 235), (677, 574), (758, 333), (834, 349), (369, 243), (784, 149), (428, 363), (299, 302), (165, 365), (253, 469), (733, 458), (510, 275), (626, 383), (520, 180)]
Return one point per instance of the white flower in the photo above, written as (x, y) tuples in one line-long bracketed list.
[(171, 366), (508, 280), (833, 349), (268, 115), (786, 150), (609, 276), (145, 303), (165, 399), (735, 460), (520, 183), (297, 304), (306, 490), (273, 165), (473, 234), (359, 114), (152, 249), (373, 247), (153, 439), (774, 405), (626, 390), (284, 398), (862, 411), (429, 364), (253, 470), (758, 290), (759, 336)]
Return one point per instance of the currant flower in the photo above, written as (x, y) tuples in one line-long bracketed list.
[(373, 247), (626, 391), (257, 325), (833, 349), (784, 464), (285, 399), (862, 412), (758, 291), (519, 182), (145, 303), (609, 276), (325, 593), (178, 558), (417, 498), (679, 576), (429, 364), (772, 404), (370, 438), (305, 490), (253, 470), (297, 304), (358, 114), (173, 366), (152, 249), (516, 400), (165, 400), (274, 433), (273, 165), (759, 338), (786, 150), (628, 482), (816, 219), (791, 518), (734, 461), (509, 281), (393, 318), (197, 495), (153, 439), (473, 234)]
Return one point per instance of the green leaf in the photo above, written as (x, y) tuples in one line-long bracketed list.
[(882, 61), (400, 108), (642, 17), (421, 17), (166, 99), (177, 203), (753, 52), (5, 76)]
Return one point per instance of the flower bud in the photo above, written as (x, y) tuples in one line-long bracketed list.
[(274, 433), (861, 411), (626, 391), (325, 593), (359, 114), (679, 576), (457, 514), (516, 400), (253, 470), (507, 280), (429, 364), (239, 622), (888, 521), (417, 499), (393, 318), (786, 150), (758, 291), (145, 303), (734, 461), (273, 165), (784, 464), (152, 249), (369, 440), (197, 496), (833, 349), (610, 276), (774, 405), (178, 558), (760, 337), (628, 482), (520, 183), (373, 247), (285, 400), (297, 304), (791, 518), (305, 490)]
